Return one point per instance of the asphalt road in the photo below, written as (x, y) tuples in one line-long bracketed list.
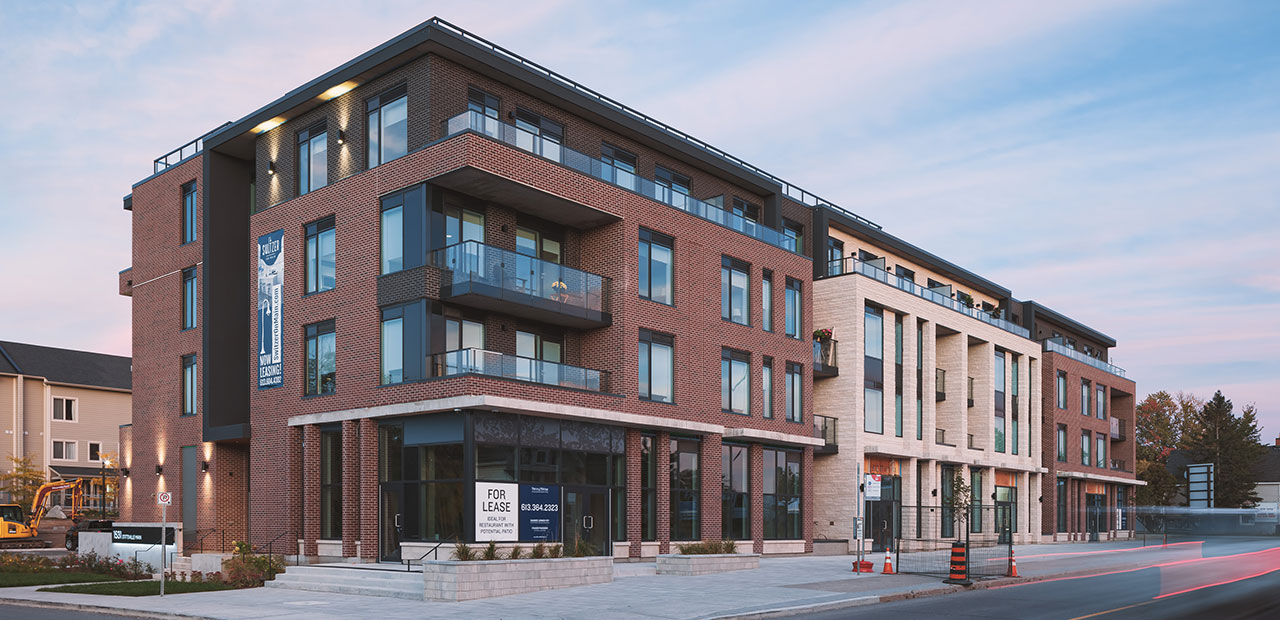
[(38, 613), (1233, 578)]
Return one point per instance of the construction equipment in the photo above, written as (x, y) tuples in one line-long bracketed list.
[(22, 532)]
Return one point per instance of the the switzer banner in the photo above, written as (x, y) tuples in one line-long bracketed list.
[(270, 287)]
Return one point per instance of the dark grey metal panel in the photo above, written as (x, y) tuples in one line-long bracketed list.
[(190, 483), (225, 363)]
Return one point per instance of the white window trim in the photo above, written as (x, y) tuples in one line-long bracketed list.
[(75, 409), (87, 455), (64, 450)]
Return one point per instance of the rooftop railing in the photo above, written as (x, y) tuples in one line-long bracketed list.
[(850, 264), (563, 289), (615, 175), (493, 364), (176, 156), (1054, 345)]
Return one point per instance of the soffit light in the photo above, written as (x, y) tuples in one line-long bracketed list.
[(337, 91), (268, 125)]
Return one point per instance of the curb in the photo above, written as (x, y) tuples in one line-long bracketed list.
[(782, 612), (115, 611)]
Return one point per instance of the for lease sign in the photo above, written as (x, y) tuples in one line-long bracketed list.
[(497, 516)]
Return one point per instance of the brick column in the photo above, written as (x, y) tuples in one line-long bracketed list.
[(662, 452), (368, 505), (635, 499), (755, 459), (711, 470), (310, 489), (350, 487), (293, 437), (806, 498)]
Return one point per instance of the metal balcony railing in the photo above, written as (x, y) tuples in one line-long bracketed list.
[(591, 166), (493, 364), (850, 264), (825, 428), (172, 158), (1055, 345), (1120, 465), (563, 289)]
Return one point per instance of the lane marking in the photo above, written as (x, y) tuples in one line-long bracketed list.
[(1109, 611), (1220, 583), (1131, 570), (1151, 548)]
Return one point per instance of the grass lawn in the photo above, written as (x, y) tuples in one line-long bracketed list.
[(139, 588), (10, 580)]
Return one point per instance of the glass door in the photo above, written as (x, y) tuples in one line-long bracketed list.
[(1094, 503), (586, 518), (392, 521), (883, 514)]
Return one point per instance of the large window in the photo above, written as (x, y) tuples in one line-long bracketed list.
[(1100, 451), (794, 234), (1016, 406), (674, 188), (404, 229), (1100, 406), (320, 255), (793, 309), (423, 472), (998, 371), (189, 304), (873, 370), (331, 483), (64, 409), (619, 166), (388, 116), (897, 386), (766, 385), (835, 256), (485, 107), (1062, 389), (1062, 443), (735, 290), (466, 225), (735, 509), (919, 383), (766, 300), (538, 135), (657, 366), (783, 488), (657, 269), (975, 500), (188, 385), (735, 381), (189, 212), (648, 489), (795, 392), (321, 358), (686, 513), (1085, 439), (313, 158), (1062, 505), (1084, 397), (404, 344), (749, 213), (64, 450)]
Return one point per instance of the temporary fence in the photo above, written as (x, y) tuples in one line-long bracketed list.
[(926, 534)]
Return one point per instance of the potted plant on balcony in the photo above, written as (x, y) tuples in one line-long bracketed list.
[(823, 335)]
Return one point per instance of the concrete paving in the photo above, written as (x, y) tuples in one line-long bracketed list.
[(808, 582)]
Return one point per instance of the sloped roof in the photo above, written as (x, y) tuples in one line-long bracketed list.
[(1267, 469), (66, 365)]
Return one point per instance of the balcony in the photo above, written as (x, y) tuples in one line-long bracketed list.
[(492, 364), (550, 149), (490, 278), (824, 359), (849, 264), (940, 437), (1054, 345), (1117, 429), (1119, 465), (939, 385), (971, 391), (825, 427)]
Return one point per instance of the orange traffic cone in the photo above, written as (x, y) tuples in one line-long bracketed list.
[(1013, 563), (888, 564)]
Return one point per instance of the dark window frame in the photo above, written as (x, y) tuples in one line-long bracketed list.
[(649, 337), (797, 312), (314, 382), (190, 299), (311, 264), (795, 404), (189, 213), (651, 238), (303, 164), (674, 181), (681, 494), (788, 527), (413, 315), (794, 230), (189, 392), (731, 499), (766, 386), (374, 105), (331, 484), (728, 267), (728, 358)]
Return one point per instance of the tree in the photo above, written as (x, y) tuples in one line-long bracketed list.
[(1232, 444), (958, 504), (1158, 431), (22, 481)]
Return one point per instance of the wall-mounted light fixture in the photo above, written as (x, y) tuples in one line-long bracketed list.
[(159, 470), (204, 466), (271, 167), (124, 472), (935, 492), (342, 136)]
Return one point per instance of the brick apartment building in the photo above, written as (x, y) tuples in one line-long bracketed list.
[(441, 292)]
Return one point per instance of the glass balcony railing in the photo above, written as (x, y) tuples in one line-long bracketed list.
[(492, 364), (940, 384), (824, 357), (591, 166), (476, 268), (1055, 345), (850, 264), (824, 427), (1117, 429)]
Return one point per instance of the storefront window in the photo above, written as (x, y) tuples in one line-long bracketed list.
[(782, 492), (735, 511), (331, 483), (648, 489), (686, 513)]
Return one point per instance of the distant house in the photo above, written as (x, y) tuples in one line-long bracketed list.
[(1261, 518), (63, 409)]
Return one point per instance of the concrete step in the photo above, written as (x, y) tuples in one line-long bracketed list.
[(180, 564), (357, 581)]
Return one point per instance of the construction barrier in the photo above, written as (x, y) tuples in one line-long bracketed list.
[(959, 565)]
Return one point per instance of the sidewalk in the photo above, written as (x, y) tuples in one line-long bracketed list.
[(637, 593)]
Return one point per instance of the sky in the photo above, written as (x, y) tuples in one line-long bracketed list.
[(1117, 161)]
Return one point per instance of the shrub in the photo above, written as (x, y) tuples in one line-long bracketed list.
[(516, 552), (581, 548), (463, 552), (491, 551), (708, 547), (728, 546), (554, 552), (539, 551), (251, 570)]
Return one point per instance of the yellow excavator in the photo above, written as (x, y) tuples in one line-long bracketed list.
[(18, 531)]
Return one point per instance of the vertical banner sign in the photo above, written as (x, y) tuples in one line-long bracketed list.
[(873, 487), (270, 286), (539, 512), (496, 516)]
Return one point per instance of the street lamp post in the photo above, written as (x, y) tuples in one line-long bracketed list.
[(102, 491)]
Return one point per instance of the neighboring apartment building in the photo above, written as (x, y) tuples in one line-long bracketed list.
[(63, 410), (488, 304), (1088, 435), (924, 382)]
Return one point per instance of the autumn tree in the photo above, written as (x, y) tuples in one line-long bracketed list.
[(1158, 432), (22, 480), (1232, 444)]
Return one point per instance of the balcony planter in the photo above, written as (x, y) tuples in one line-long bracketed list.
[(706, 564), (464, 581)]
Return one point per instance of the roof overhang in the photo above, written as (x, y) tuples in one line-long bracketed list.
[(1036, 311)]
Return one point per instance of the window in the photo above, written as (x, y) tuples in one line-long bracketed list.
[(619, 166), (657, 269), (749, 214), (465, 225), (1062, 389), (673, 188), (64, 450), (657, 366), (320, 255), (189, 298), (919, 384), (404, 344), (1101, 405), (648, 489), (735, 290), (686, 513), (904, 273), (766, 300), (188, 385), (189, 212), (735, 381), (95, 452), (998, 371), (64, 409), (485, 111), (331, 483), (313, 158), (404, 229), (735, 508), (1062, 443), (388, 116), (1084, 397), (936, 284), (835, 256), (795, 392), (897, 386), (538, 135), (1085, 438), (873, 371), (766, 384), (321, 358), (1016, 407), (783, 487), (1062, 505), (794, 234), (1100, 451), (793, 310), (975, 500)]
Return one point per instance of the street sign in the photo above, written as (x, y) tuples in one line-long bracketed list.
[(164, 498), (873, 487), (858, 520)]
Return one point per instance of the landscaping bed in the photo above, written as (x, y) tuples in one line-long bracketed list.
[(22, 569), (14, 580), (140, 588)]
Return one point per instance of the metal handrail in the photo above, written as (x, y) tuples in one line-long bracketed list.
[(271, 545), (1053, 344), (408, 564), (207, 531), (183, 152)]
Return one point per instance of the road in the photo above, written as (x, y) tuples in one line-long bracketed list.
[(1230, 578), (38, 613)]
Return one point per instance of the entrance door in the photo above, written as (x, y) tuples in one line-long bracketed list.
[(586, 517), (883, 515), (1094, 506), (392, 511)]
